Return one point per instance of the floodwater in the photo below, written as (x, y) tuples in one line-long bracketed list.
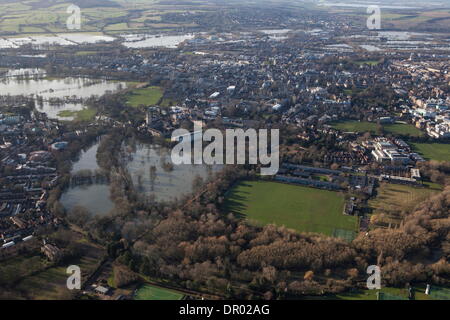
[(155, 176), (70, 89), (87, 160), (63, 39), (150, 41), (24, 72), (361, 5), (370, 48), (276, 31), (94, 197)]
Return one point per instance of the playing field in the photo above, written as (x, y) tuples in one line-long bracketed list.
[(297, 207), (145, 96), (433, 151), (387, 293), (355, 126), (399, 129), (82, 115), (403, 130), (440, 293), (148, 292), (392, 199)]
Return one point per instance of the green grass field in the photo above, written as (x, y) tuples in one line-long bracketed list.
[(39, 280), (403, 129), (355, 126), (367, 62), (145, 96), (82, 115), (365, 126), (387, 294), (440, 293), (43, 16), (393, 198), (148, 292), (297, 207), (433, 151)]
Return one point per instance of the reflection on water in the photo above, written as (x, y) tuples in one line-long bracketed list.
[(94, 197), (149, 41), (87, 160), (154, 175), (25, 72), (40, 41), (58, 88), (69, 89)]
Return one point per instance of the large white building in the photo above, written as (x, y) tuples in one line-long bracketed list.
[(385, 151)]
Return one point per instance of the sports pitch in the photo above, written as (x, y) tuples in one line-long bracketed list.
[(396, 129), (296, 207), (433, 151), (145, 96), (149, 292), (393, 199)]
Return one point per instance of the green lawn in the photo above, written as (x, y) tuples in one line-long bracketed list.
[(403, 129), (355, 126), (387, 294), (433, 151), (297, 207), (368, 62), (365, 126), (145, 96), (394, 198), (82, 115), (148, 292)]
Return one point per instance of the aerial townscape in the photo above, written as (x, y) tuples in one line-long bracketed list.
[(91, 93)]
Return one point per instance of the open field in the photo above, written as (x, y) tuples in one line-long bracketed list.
[(355, 126), (386, 294), (433, 151), (403, 130), (82, 115), (367, 62), (50, 284), (410, 20), (36, 278), (145, 96), (149, 292), (392, 199), (364, 126), (300, 208), (44, 16)]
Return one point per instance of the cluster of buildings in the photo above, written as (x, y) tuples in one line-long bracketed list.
[(433, 117), (428, 104), (27, 173), (322, 178), (395, 151)]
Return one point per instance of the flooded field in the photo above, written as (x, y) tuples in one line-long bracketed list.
[(149, 41), (94, 197), (66, 39), (155, 176), (55, 95)]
